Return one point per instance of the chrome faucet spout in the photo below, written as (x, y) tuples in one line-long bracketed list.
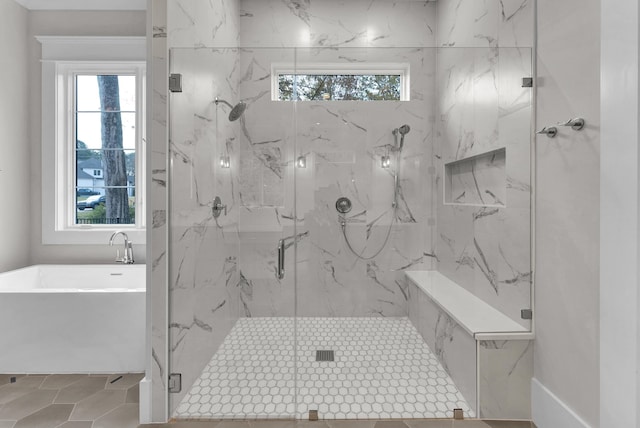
[(128, 248)]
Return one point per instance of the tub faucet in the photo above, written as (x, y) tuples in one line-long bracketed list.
[(128, 248)]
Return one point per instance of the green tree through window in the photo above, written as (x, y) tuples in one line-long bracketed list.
[(354, 87)]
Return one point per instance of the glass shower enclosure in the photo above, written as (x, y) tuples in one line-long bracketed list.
[(294, 215)]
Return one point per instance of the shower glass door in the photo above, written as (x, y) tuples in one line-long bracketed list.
[(364, 125), (231, 330)]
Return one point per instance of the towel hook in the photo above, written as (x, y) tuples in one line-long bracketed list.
[(550, 132), (576, 124)]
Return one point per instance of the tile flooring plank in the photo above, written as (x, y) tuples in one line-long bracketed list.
[(435, 423), (77, 424), (272, 424), (11, 391), (81, 389), (124, 416), (6, 378), (133, 394), (27, 404), (59, 381), (98, 404), (508, 424), (351, 424), (49, 417), (30, 381)]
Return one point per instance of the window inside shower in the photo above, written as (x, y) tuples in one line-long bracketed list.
[(340, 82)]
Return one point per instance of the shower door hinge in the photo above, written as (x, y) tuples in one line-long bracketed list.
[(526, 314), (175, 82), (527, 82), (175, 382)]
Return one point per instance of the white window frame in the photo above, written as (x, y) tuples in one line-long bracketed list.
[(330, 68), (62, 59)]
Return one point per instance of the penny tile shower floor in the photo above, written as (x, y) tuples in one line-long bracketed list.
[(382, 369)]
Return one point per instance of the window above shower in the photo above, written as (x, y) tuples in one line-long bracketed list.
[(340, 82)]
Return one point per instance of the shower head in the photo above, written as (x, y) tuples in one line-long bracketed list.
[(236, 111), (404, 129)]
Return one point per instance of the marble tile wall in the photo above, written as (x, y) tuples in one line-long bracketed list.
[(454, 347), (485, 23), (343, 142), (483, 242), (337, 23), (505, 372)]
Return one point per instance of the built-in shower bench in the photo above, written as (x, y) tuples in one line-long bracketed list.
[(481, 320), (487, 354)]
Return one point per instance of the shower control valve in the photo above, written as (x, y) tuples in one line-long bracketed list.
[(218, 207), (343, 205)]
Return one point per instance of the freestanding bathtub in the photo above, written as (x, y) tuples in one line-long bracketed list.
[(72, 319)]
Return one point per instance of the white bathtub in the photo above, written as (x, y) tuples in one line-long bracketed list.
[(72, 319)]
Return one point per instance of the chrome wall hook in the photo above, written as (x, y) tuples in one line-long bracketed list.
[(576, 124), (550, 132)]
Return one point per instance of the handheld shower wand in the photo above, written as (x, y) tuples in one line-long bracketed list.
[(343, 205)]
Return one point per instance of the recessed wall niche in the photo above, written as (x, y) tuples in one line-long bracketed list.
[(477, 180)]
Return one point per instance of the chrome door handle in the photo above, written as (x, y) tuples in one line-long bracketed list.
[(281, 248)]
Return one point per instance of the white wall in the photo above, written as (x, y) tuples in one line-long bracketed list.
[(14, 137), (619, 214), (68, 23), (566, 358)]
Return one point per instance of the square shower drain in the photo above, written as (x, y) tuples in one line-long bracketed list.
[(324, 356)]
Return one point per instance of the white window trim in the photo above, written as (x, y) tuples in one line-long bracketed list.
[(59, 56), (403, 69)]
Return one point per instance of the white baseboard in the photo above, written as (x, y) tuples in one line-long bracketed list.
[(145, 401), (549, 411)]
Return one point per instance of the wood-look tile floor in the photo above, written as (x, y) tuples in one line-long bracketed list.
[(69, 401), (111, 401)]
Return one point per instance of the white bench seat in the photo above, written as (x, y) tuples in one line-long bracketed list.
[(481, 320)]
